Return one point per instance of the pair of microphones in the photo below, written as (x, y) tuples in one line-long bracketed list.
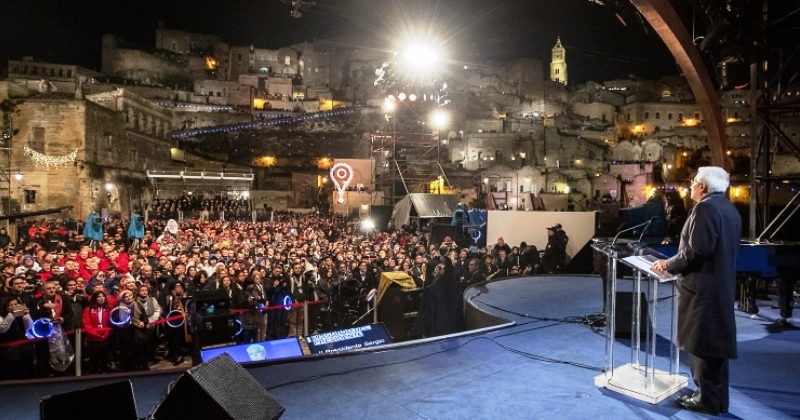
[(646, 224)]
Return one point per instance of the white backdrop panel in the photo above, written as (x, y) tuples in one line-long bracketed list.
[(531, 227)]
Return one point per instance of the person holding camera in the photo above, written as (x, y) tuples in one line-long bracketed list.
[(16, 362)]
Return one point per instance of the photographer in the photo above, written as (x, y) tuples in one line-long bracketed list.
[(16, 362)]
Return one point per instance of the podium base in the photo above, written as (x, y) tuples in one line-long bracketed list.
[(630, 380)]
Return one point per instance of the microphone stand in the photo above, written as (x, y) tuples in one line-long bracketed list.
[(639, 246), (632, 228)]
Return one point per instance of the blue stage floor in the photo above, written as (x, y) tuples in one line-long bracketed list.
[(541, 369)]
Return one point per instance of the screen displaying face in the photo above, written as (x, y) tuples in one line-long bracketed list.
[(253, 352)]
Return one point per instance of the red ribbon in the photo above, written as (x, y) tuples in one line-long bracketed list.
[(267, 308), (33, 340)]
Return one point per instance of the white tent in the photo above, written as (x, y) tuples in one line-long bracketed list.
[(423, 206)]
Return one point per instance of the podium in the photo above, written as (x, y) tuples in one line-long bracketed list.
[(634, 378)]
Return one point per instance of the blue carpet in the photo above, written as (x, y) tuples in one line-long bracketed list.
[(542, 368)]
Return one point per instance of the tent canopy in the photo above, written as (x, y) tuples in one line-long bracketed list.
[(423, 206)]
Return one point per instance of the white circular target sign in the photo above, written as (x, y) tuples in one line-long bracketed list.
[(341, 175)]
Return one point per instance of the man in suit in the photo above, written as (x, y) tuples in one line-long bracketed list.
[(706, 268)]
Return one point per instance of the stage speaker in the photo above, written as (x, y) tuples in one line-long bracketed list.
[(623, 325), (218, 329), (97, 403), (217, 390)]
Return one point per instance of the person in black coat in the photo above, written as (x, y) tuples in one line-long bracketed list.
[(277, 319), (441, 306), (706, 268)]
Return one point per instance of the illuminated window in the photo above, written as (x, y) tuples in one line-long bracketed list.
[(287, 60)]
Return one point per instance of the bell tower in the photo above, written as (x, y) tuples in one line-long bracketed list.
[(558, 64)]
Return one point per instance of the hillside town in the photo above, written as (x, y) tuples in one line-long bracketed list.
[(193, 114)]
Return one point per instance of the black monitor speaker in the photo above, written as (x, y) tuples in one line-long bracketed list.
[(624, 318), (91, 403), (218, 390)]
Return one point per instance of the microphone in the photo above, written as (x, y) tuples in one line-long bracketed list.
[(652, 219)]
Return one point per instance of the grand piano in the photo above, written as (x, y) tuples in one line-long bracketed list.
[(756, 263)]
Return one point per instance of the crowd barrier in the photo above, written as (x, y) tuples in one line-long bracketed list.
[(78, 341)]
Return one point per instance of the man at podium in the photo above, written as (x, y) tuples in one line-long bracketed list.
[(706, 268)]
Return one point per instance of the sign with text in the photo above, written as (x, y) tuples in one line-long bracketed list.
[(355, 338)]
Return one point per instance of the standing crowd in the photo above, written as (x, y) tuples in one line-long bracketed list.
[(120, 297)]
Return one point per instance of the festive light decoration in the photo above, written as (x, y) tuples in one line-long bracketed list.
[(120, 316), (48, 161), (175, 313), (262, 124)]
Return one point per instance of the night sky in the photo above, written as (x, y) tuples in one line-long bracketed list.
[(599, 47)]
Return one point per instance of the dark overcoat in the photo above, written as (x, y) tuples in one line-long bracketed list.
[(706, 265)]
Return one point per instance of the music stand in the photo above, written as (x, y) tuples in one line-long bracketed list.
[(643, 382)]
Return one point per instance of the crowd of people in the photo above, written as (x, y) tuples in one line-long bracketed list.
[(119, 296), (202, 207)]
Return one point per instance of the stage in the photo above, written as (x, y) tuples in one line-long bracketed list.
[(541, 367)]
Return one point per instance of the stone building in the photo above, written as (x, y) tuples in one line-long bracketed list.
[(103, 145), (558, 63), (49, 77)]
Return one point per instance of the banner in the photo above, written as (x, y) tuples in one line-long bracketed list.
[(355, 338)]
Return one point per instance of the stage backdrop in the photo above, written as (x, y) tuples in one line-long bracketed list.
[(531, 227)]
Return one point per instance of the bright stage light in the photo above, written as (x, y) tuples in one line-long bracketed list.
[(439, 119), (412, 97), (402, 96), (421, 55), (420, 59), (368, 224), (388, 105)]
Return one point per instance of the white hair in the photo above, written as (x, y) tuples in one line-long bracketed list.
[(714, 177)]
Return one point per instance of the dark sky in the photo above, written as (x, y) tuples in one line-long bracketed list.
[(599, 46)]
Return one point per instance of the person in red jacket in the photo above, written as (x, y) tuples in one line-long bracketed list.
[(96, 330)]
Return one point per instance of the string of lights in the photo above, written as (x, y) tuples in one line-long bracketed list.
[(42, 159), (261, 124)]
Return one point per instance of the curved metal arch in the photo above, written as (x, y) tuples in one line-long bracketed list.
[(668, 25)]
